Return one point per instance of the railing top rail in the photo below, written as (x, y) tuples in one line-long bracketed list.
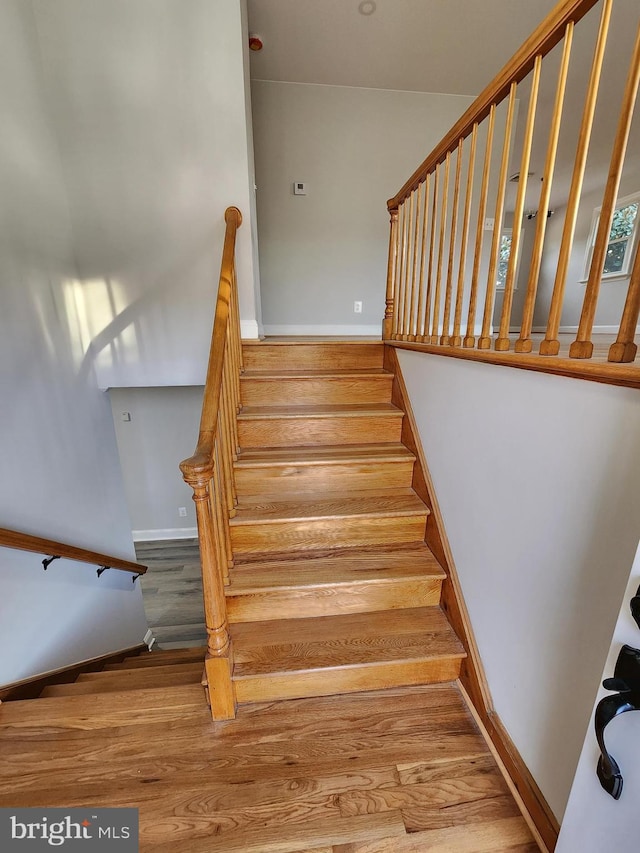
[(27, 542), (201, 461), (540, 42)]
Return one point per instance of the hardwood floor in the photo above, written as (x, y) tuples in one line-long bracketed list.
[(400, 771), (172, 592)]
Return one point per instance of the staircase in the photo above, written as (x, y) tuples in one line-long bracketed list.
[(333, 588)]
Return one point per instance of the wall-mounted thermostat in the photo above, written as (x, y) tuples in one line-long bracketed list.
[(299, 188)]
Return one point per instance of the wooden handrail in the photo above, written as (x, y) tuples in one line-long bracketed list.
[(26, 542), (496, 260), (541, 41), (209, 472), (200, 462)]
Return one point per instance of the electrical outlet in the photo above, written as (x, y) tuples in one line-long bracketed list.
[(489, 224), (125, 416), (357, 307), (182, 511)]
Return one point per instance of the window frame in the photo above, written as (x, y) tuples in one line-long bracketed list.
[(625, 272)]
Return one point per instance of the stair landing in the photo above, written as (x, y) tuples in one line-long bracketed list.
[(397, 771)]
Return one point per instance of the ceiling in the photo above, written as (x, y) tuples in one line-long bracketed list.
[(452, 47), (444, 46)]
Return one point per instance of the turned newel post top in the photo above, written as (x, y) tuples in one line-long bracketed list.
[(232, 214), (197, 471)]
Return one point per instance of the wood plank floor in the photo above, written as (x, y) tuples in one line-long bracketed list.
[(172, 592), (400, 771)]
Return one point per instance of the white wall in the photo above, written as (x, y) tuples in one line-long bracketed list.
[(355, 148), (593, 820), (537, 479), (163, 431), (59, 470), (148, 104)]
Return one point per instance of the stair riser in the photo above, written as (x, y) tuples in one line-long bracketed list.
[(302, 392), (313, 356), (285, 536), (83, 688), (361, 597), (288, 432), (331, 682), (320, 477)]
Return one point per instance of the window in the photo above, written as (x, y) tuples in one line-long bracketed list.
[(504, 254), (623, 238)]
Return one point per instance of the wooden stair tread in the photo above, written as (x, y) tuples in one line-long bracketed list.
[(306, 570), (326, 373), (337, 454), (327, 642), (267, 508), (342, 410), (135, 673), (141, 679), (161, 657), (122, 708)]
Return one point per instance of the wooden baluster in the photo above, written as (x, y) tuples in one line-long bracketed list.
[(456, 338), (551, 345), (397, 331), (523, 344), (225, 421), (387, 323), (502, 342), (219, 499), (407, 286), (446, 320), (411, 336), (423, 253), (425, 336), (484, 341), (625, 347), (582, 347), (219, 661), (469, 339), (235, 349), (443, 222)]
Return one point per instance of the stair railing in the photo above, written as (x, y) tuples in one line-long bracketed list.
[(439, 271), (52, 550), (209, 472)]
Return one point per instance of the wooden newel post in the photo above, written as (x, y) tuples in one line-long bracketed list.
[(387, 324), (219, 659)]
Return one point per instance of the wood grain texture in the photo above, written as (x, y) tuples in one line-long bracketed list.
[(130, 679), (596, 369), (259, 388), (347, 582), (300, 355), (321, 655), (358, 519), (30, 688), (308, 775), (50, 547), (316, 469), (270, 426)]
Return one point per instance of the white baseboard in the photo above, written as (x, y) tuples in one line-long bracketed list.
[(325, 331), (250, 330), (165, 533)]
